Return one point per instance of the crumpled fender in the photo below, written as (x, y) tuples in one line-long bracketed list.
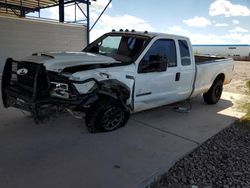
[(115, 89)]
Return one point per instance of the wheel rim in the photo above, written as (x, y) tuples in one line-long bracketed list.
[(112, 118), (218, 91)]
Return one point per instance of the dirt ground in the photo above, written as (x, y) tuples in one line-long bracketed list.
[(241, 76)]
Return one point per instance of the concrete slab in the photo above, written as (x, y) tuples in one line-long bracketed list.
[(202, 122), (61, 153)]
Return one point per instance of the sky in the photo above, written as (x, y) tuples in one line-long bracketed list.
[(203, 21)]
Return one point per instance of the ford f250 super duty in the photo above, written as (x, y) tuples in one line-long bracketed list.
[(117, 74)]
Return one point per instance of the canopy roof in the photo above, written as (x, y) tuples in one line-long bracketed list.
[(21, 7)]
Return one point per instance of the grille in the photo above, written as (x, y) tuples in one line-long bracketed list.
[(24, 80), (23, 77)]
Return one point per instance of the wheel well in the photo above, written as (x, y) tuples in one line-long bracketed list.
[(107, 96), (221, 76), (114, 89), (113, 96)]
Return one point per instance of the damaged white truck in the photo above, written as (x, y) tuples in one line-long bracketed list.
[(117, 74)]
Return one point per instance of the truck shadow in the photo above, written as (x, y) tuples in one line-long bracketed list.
[(200, 123), (200, 117)]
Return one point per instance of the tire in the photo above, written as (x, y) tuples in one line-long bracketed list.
[(106, 115), (214, 93)]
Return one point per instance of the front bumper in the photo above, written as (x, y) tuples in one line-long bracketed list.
[(31, 91)]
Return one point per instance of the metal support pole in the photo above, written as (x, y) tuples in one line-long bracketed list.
[(39, 13), (75, 11), (81, 10), (88, 22), (100, 15), (22, 11), (6, 7), (61, 10)]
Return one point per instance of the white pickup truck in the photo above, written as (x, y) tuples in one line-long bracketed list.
[(117, 74)]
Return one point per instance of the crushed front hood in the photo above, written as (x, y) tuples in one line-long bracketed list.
[(57, 61)]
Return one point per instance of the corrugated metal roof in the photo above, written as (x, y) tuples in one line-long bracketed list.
[(14, 7)]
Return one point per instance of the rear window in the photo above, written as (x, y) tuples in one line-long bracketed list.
[(185, 53)]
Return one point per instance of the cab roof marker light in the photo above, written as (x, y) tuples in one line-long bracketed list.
[(121, 30), (126, 30), (113, 30), (132, 30)]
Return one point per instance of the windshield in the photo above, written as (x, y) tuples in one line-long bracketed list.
[(123, 48)]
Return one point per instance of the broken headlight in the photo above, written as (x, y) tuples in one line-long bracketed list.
[(60, 90), (86, 87)]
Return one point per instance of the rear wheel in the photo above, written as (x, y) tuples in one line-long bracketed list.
[(106, 115), (214, 93)]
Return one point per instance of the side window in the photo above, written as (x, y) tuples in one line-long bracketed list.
[(162, 54), (185, 53)]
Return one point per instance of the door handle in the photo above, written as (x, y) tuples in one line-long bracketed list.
[(177, 76)]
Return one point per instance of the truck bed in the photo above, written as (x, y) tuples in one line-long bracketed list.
[(207, 59), (208, 68)]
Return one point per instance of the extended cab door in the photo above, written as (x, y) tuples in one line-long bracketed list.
[(157, 74), (186, 69)]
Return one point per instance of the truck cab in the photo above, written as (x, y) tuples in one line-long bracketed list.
[(164, 72)]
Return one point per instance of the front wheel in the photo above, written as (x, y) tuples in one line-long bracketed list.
[(214, 93), (106, 115)]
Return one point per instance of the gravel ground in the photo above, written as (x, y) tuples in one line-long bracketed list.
[(223, 160), (241, 75)]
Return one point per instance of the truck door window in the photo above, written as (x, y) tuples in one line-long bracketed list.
[(185, 54), (161, 54)]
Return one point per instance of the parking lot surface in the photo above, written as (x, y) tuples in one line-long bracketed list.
[(61, 153)]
